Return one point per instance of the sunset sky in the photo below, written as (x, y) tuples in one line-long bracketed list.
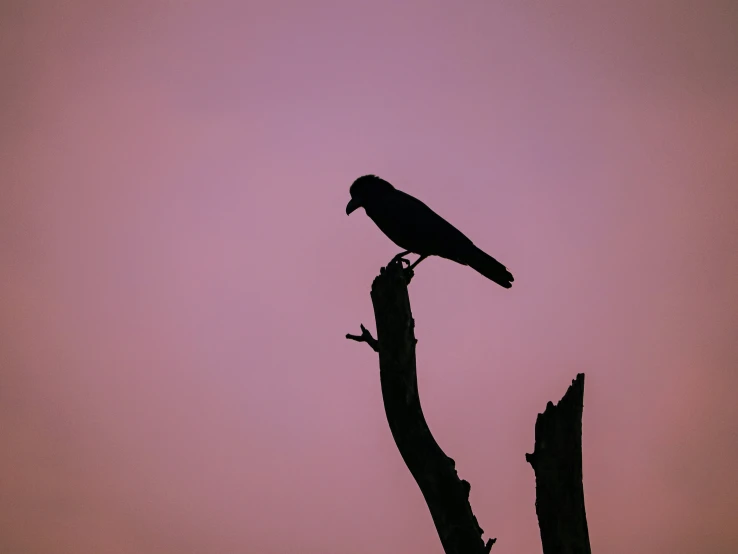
[(177, 271)]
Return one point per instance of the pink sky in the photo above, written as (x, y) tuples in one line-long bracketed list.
[(177, 271)]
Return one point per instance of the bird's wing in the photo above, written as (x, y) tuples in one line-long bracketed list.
[(437, 235)]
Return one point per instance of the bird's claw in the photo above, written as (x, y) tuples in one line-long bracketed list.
[(399, 258), (407, 272)]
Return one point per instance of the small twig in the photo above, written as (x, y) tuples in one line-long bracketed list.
[(366, 337)]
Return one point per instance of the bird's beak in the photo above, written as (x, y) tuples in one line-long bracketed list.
[(351, 206)]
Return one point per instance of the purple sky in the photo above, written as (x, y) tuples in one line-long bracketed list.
[(177, 271)]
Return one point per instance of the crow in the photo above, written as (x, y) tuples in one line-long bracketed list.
[(417, 229)]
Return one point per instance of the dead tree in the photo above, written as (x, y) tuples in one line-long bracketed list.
[(557, 463), (556, 459)]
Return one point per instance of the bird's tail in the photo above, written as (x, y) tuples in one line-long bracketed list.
[(490, 268)]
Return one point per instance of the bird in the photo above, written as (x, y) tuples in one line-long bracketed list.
[(417, 229)]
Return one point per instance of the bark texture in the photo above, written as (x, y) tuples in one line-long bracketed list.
[(447, 496), (557, 463)]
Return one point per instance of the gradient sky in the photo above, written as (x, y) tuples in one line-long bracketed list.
[(177, 271)]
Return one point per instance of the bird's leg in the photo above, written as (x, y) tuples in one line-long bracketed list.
[(401, 258), (422, 257), (409, 270)]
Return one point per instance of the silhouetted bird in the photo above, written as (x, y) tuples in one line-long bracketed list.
[(412, 225)]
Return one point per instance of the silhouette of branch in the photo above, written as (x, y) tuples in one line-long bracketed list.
[(366, 337), (557, 463), (447, 496)]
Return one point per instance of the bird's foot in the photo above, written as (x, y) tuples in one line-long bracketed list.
[(407, 267), (401, 259)]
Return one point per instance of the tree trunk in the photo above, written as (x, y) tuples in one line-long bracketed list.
[(557, 463), (447, 496), (556, 460)]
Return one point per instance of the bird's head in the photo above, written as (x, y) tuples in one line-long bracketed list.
[(366, 190)]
